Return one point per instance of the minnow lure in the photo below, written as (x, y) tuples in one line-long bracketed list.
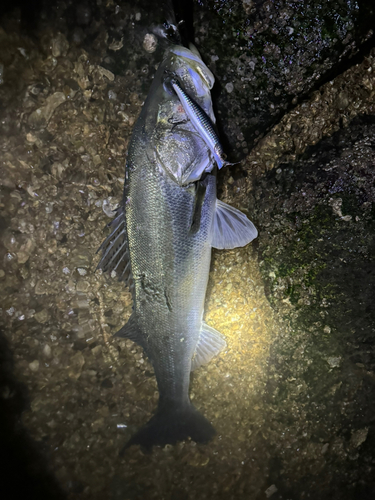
[(202, 124)]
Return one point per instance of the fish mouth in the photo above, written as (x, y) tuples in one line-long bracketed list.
[(169, 79)]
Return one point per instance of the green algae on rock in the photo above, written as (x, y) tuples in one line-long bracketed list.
[(317, 260)]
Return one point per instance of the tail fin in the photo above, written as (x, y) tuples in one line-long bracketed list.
[(171, 424)]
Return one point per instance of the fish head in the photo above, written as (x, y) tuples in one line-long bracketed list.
[(194, 75), (188, 68), (174, 143)]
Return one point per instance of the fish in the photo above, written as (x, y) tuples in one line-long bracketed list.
[(161, 241), (202, 124)]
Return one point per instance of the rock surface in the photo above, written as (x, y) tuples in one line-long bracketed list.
[(270, 55)]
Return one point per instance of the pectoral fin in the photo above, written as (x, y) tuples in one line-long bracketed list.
[(210, 343), (232, 228), (200, 191)]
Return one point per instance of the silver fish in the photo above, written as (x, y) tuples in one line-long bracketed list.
[(202, 124), (160, 245)]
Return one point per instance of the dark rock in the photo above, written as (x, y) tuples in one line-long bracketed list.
[(317, 252), (266, 54)]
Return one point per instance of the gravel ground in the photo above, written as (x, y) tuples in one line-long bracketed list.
[(64, 134)]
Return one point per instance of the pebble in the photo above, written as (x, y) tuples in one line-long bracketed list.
[(37, 403), (270, 491), (150, 43), (34, 365), (229, 87), (81, 257), (42, 316), (60, 45), (105, 72), (358, 437), (324, 448), (96, 350), (25, 251), (109, 207), (41, 116), (41, 287), (75, 367), (334, 361), (82, 286), (47, 351)]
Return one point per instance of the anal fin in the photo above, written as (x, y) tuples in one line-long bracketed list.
[(210, 343)]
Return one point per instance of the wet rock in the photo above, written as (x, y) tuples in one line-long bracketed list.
[(82, 286), (70, 287), (342, 101), (109, 207), (229, 87), (116, 45), (10, 241), (324, 448)]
